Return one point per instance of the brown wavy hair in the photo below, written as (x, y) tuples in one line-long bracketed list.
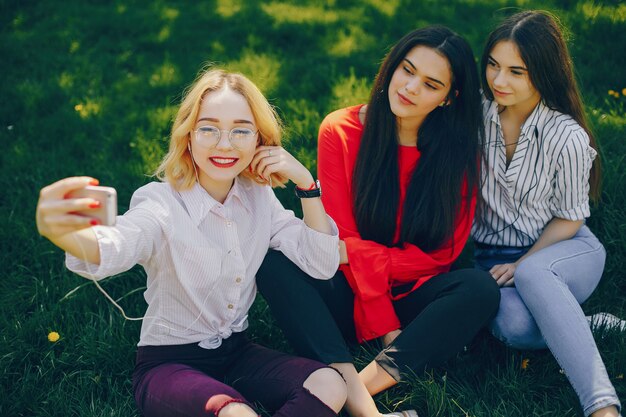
[(543, 49)]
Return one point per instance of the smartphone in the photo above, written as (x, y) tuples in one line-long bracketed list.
[(107, 196)]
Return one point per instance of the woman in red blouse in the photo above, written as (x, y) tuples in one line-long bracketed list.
[(399, 177)]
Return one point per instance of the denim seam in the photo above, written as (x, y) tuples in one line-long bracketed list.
[(561, 288), (577, 254)]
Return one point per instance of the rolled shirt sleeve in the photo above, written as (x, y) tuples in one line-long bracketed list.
[(314, 252), (571, 187)]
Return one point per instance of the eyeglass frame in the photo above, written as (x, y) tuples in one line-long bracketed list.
[(219, 137)]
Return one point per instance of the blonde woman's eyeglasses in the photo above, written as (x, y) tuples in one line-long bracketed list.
[(209, 136)]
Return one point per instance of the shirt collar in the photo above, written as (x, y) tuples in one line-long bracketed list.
[(536, 118), (492, 112), (199, 203), (241, 191)]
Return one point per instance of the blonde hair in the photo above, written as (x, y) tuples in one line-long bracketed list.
[(177, 166)]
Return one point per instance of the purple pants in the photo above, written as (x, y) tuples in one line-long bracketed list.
[(189, 381)]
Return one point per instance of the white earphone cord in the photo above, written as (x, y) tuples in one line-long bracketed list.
[(99, 287), (119, 307)]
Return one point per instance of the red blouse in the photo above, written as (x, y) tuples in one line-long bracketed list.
[(375, 268)]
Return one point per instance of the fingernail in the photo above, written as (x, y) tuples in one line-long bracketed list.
[(94, 222), (95, 204), (94, 182)]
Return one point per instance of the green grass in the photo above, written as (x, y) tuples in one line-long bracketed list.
[(91, 88)]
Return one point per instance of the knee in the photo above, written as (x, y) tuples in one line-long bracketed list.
[(329, 387), (528, 275), (518, 331), (225, 406), (482, 291)]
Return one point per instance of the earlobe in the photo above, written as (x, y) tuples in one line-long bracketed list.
[(447, 101)]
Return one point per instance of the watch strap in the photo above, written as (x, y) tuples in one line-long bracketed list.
[(313, 192)]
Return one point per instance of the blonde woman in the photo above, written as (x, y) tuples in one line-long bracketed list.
[(201, 235)]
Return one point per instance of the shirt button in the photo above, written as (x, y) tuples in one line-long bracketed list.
[(238, 280), (230, 306), (229, 224)]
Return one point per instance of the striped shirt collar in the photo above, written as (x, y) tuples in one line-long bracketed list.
[(536, 118), (199, 203)]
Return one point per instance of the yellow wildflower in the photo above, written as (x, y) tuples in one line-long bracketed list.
[(624, 91), (79, 107), (525, 363), (611, 92), (53, 336)]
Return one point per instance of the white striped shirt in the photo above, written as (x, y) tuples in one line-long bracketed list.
[(548, 177), (201, 256)]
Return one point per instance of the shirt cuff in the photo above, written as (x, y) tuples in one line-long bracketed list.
[(374, 318), (577, 213), (322, 251), (369, 265), (87, 269)]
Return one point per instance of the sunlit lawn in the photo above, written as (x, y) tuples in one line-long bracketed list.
[(91, 88)]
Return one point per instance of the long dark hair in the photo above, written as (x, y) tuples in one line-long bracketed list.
[(543, 49), (449, 140)]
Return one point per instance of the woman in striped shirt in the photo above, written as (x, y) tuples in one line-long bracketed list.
[(201, 235), (537, 178)]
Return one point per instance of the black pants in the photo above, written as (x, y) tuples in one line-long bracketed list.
[(438, 318)]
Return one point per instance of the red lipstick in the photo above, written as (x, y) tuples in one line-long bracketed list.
[(405, 100), (223, 162)]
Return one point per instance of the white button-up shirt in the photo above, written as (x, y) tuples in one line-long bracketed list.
[(201, 256), (548, 177)]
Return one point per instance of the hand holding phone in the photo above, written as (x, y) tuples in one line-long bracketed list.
[(107, 196)]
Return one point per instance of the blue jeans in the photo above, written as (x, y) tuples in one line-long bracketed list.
[(543, 309)]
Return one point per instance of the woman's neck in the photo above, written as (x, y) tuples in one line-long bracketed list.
[(519, 113), (217, 189), (407, 131)]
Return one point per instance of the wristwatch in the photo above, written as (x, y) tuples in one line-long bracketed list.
[(314, 191)]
